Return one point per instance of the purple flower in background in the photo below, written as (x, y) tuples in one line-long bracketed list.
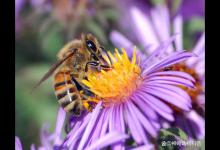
[(18, 7), (18, 145), (152, 28), (55, 141), (192, 8)]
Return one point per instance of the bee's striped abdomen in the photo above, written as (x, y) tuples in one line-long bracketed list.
[(67, 93)]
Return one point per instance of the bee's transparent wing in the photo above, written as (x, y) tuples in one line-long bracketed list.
[(52, 69)]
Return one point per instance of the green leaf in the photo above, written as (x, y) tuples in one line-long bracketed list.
[(175, 5), (158, 2), (168, 138), (177, 132), (196, 24)]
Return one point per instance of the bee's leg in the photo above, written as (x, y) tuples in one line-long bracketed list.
[(105, 67), (78, 86), (89, 103), (67, 124), (91, 63), (81, 88), (67, 127), (96, 65)]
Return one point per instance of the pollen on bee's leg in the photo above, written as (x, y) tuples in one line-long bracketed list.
[(90, 104), (87, 106)]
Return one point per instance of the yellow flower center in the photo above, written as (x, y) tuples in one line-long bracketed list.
[(115, 85)]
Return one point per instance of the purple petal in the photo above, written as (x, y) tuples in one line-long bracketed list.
[(144, 147), (132, 126), (199, 50), (111, 118), (150, 113), (172, 73), (145, 123), (106, 122), (74, 134), (182, 93), (154, 101), (172, 59), (201, 99), (156, 124), (131, 117), (200, 67), (169, 96), (96, 131), (121, 128), (90, 126), (159, 53), (160, 16), (33, 147), (18, 6), (199, 121), (121, 118), (42, 148), (193, 8), (178, 23), (18, 145), (170, 80), (161, 108), (59, 124), (46, 137), (144, 28), (183, 123), (116, 126), (106, 140), (121, 41)]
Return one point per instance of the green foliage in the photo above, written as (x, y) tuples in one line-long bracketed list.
[(96, 29), (33, 109), (158, 2), (168, 138), (196, 24), (190, 30), (175, 5), (51, 41)]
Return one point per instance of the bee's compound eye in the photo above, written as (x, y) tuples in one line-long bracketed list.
[(91, 45)]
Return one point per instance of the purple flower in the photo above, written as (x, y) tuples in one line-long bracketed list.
[(55, 140), (18, 7), (155, 27), (18, 145), (189, 8), (133, 96)]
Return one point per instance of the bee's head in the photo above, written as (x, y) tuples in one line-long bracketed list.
[(93, 46)]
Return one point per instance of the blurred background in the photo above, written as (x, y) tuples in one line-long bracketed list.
[(44, 26)]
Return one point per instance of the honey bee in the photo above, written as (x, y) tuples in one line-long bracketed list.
[(75, 60)]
